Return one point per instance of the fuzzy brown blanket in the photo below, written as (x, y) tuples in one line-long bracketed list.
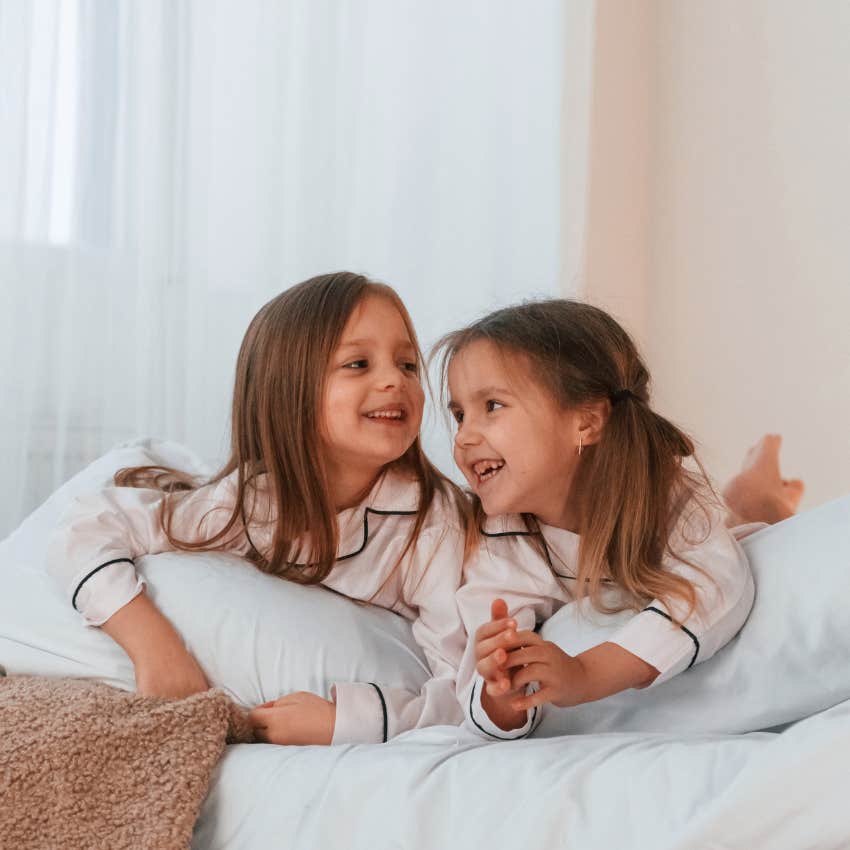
[(83, 765)]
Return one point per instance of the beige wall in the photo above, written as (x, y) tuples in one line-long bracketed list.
[(718, 218)]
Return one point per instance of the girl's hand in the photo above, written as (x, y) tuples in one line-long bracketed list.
[(491, 643), (562, 678), (300, 718), (565, 680), (174, 673)]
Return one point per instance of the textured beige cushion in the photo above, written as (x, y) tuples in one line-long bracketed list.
[(83, 765)]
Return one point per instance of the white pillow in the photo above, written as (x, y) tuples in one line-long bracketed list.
[(790, 660), (254, 635)]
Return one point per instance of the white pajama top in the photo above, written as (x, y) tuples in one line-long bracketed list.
[(91, 556), (515, 571)]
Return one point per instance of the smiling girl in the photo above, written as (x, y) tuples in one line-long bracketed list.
[(326, 483), (581, 491)]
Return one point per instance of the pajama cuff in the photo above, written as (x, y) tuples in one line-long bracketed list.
[(99, 593), (655, 639), (480, 722), (361, 713)]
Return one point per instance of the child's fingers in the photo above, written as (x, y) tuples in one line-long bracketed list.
[(503, 641), (498, 609), (517, 640), (538, 698), (508, 640), (525, 655), (498, 652), (498, 687), (493, 627), (259, 717), (530, 673), (490, 666)]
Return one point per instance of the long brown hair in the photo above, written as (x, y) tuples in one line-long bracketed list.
[(275, 427), (633, 482)]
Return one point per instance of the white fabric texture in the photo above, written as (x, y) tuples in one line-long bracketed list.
[(254, 635), (101, 533), (166, 168), (535, 586), (443, 787), (789, 661), (684, 788)]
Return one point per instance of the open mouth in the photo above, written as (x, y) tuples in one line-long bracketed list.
[(486, 470), (390, 414)]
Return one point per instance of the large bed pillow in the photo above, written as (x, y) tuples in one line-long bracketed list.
[(790, 660), (255, 635)]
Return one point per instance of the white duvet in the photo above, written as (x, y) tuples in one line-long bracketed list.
[(685, 766), (436, 788)]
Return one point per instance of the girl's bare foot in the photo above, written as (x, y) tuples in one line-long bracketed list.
[(759, 493)]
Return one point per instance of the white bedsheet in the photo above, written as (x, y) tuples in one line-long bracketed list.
[(441, 788), (678, 789)]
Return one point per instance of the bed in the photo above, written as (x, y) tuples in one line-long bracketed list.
[(748, 750)]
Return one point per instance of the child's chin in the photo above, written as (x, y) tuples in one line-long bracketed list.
[(494, 506)]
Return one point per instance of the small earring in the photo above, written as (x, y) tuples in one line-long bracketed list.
[(579, 444)]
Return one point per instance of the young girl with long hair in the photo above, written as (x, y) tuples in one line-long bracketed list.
[(581, 490), (326, 483)]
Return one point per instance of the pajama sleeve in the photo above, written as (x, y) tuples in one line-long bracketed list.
[(529, 593), (371, 712), (91, 552), (706, 553)]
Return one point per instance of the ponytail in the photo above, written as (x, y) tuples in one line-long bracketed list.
[(636, 487), (634, 482)]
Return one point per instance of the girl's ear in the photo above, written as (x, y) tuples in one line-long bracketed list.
[(592, 421)]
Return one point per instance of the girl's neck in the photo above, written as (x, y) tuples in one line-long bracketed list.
[(567, 518), (349, 487), (566, 511)]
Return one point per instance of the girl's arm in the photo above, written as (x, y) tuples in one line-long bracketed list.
[(566, 680), (724, 596), (505, 594), (372, 713), (91, 557), (91, 552), (163, 665), (510, 660)]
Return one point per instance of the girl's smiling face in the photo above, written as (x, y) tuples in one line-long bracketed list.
[(373, 400), (516, 446)]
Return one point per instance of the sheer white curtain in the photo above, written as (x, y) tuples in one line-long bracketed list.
[(167, 167)]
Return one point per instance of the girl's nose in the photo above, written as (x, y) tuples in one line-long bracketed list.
[(466, 436), (388, 377)]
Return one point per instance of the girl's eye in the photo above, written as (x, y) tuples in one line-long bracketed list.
[(458, 416), (411, 366), (493, 405), (356, 364)]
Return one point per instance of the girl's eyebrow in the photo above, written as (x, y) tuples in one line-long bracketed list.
[(484, 392), (491, 390), (354, 343)]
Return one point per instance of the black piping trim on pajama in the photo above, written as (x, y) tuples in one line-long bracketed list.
[(531, 534), (490, 734), (96, 570), (383, 709), (366, 513), (509, 533), (686, 630)]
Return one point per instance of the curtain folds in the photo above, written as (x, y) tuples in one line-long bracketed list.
[(167, 167)]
